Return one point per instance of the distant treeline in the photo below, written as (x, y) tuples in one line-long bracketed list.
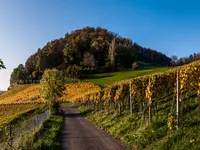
[(1, 92), (185, 60)]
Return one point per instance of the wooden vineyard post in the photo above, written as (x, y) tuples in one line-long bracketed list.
[(131, 103), (198, 92), (177, 100), (150, 101), (199, 106), (149, 113), (101, 102), (105, 107), (110, 106), (10, 136), (94, 102), (156, 109), (119, 107)]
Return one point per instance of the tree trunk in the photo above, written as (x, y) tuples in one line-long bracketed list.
[(156, 109), (111, 53)]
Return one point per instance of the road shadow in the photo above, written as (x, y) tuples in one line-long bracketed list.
[(72, 115), (75, 115), (74, 107), (85, 112)]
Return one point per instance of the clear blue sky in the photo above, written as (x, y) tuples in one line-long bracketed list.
[(168, 26)]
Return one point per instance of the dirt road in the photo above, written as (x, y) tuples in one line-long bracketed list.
[(80, 134)]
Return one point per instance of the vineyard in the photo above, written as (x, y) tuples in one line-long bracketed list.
[(74, 91), (134, 95), (147, 90), (13, 90), (29, 94), (140, 111), (167, 100), (21, 94), (11, 111)]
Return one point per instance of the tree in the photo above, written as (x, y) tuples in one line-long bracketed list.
[(51, 86), (174, 59), (88, 60), (191, 58), (111, 54), (180, 61), (195, 56), (2, 65), (41, 61), (68, 56), (18, 75), (30, 64)]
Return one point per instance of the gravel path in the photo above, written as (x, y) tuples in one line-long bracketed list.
[(80, 134)]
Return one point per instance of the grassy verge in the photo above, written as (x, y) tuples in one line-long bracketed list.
[(131, 130), (47, 137)]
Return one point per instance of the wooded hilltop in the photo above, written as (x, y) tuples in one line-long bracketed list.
[(86, 51)]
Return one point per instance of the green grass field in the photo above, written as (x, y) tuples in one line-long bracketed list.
[(108, 78)]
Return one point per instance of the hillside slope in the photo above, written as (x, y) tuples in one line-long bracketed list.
[(142, 111), (21, 94), (27, 94)]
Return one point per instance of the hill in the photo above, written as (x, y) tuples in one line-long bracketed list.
[(86, 51)]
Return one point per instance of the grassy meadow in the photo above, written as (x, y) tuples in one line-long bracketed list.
[(108, 78)]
